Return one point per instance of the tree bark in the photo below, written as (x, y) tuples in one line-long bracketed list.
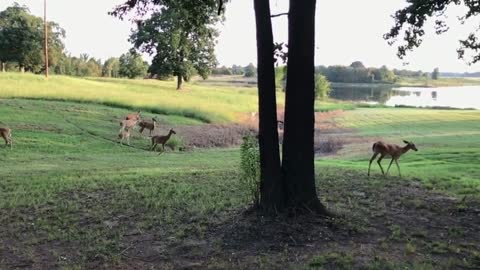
[(272, 192), (298, 139), (3, 66), (179, 82)]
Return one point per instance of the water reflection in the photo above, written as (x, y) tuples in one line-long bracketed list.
[(455, 97)]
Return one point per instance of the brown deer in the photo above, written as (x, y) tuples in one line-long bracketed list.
[(128, 124), (148, 125), (391, 150), (133, 116), (161, 140), (6, 134), (124, 135)]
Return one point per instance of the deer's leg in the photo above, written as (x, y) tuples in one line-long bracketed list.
[(128, 141), (371, 160), (141, 130), (390, 165), (379, 163), (154, 145), (398, 166)]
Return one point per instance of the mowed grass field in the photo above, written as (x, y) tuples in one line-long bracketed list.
[(71, 197), (448, 143), (209, 104)]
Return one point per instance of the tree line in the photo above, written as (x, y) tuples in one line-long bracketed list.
[(21, 49)]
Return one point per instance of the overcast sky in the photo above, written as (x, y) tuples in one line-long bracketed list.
[(346, 31)]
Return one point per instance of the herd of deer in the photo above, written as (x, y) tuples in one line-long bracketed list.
[(379, 148), (133, 120)]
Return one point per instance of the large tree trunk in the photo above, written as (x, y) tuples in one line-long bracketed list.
[(3, 66), (298, 148), (179, 82), (272, 192)]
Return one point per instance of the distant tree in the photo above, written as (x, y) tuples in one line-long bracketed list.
[(237, 70), (435, 74), (180, 34), (21, 39), (111, 68), (250, 71), (322, 87), (132, 65), (384, 75), (410, 22), (357, 64), (222, 71)]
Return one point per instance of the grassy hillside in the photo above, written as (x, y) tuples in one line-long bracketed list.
[(209, 104), (71, 197)]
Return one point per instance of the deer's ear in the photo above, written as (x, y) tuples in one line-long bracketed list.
[(406, 142)]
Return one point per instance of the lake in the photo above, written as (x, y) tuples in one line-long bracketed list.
[(461, 97)]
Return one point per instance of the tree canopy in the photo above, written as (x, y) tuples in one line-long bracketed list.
[(131, 65), (179, 33), (410, 22), (21, 39)]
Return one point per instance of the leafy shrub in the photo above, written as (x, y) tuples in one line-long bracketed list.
[(322, 87), (250, 167)]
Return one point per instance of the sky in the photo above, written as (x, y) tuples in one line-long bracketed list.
[(346, 31)]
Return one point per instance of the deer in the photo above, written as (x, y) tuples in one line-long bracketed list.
[(148, 125), (161, 140), (133, 116), (391, 150), (6, 134), (128, 124), (124, 135)]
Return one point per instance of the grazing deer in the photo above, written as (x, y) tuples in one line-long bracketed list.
[(148, 125), (392, 150), (124, 135), (161, 140), (133, 116), (6, 134), (128, 124)]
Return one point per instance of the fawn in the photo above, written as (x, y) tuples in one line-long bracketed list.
[(147, 125), (392, 150), (161, 140), (124, 134), (6, 134)]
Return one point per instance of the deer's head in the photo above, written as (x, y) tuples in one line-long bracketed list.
[(172, 131), (411, 145)]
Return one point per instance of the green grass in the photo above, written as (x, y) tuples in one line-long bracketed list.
[(441, 82), (208, 104), (448, 143), (71, 196)]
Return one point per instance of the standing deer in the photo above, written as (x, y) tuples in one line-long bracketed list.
[(124, 134), (148, 125), (161, 140), (6, 134), (392, 150), (128, 124), (133, 116)]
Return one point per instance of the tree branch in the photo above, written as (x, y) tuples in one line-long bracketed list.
[(278, 15)]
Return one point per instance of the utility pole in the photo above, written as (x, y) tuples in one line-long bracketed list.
[(46, 38)]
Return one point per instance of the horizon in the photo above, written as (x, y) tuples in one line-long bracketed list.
[(236, 43)]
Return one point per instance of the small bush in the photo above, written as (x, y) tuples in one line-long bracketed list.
[(250, 167)]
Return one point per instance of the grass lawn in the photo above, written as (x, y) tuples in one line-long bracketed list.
[(148, 95), (71, 197)]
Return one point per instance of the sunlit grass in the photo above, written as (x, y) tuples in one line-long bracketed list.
[(448, 142), (206, 103)]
